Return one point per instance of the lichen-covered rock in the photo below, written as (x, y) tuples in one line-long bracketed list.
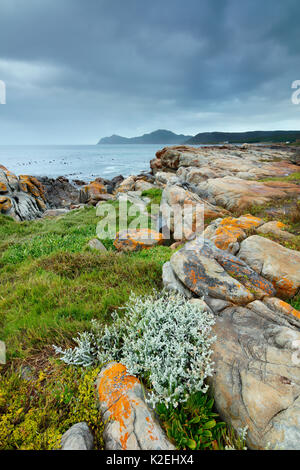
[(194, 165), (283, 309), (227, 233), (204, 276), (137, 239), (274, 262), (275, 228), (209, 271), (129, 422), (256, 379), (22, 198), (78, 437), (92, 193), (234, 193)]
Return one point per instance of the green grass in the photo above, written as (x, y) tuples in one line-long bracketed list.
[(294, 177), (155, 195), (295, 302), (51, 286)]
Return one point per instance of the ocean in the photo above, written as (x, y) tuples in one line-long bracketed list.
[(85, 162)]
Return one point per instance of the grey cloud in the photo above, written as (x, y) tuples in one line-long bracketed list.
[(123, 66)]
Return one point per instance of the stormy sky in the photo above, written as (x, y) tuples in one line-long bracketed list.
[(78, 70)]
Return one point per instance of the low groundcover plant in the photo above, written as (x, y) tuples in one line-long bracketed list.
[(161, 338)]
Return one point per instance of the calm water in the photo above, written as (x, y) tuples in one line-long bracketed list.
[(78, 161)]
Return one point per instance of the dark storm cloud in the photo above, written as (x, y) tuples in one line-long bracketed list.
[(79, 69)]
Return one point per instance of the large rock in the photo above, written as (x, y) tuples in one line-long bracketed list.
[(211, 272), (78, 437), (204, 276), (92, 193), (22, 198), (59, 192), (195, 165), (275, 228), (172, 283), (142, 185), (274, 262), (185, 213), (227, 233), (238, 194), (129, 422), (127, 184), (256, 382), (137, 239)]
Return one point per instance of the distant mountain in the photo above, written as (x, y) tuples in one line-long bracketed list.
[(243, 137), (160, 136)]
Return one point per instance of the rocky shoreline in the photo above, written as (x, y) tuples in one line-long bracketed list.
[(240, 266)]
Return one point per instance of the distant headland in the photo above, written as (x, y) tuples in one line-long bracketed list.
[(163, 136)]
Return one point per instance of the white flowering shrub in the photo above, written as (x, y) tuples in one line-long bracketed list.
[(161, 338)]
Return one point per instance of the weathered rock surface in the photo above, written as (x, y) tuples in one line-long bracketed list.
[(178, 204), (227, 233), (225, 176), (274, 262), (2, 353), (59, 192), (78, 437), (22, 198), (129, 422), (92, 193), (137, 239), (276, 228), (141, 185), (256, 382), (216, 162), (127, 184), (96, 244), (55, 212), (210, 272), (238, 194), (162, 178), (204, 276), (172, 283)]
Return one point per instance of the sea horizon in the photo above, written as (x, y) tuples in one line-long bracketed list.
[(83, 162)]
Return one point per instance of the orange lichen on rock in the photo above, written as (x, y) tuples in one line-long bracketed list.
[(113, 389), (280, 306), (137, 239), (231, 230), (31, 185), (129, 422), (3, 187), (285, 288), (5, 204), (95, 187), (288, 309)]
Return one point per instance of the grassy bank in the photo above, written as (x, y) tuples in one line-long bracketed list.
[(52, 285)]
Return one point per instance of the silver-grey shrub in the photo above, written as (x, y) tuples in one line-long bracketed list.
[(161, 338)]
